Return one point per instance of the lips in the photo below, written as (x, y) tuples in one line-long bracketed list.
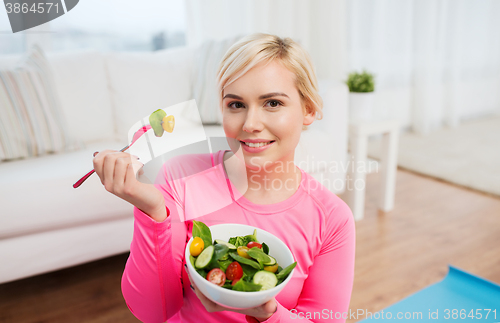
[(259, 143)]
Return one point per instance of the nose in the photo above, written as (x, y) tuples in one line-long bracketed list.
[(253, 121)]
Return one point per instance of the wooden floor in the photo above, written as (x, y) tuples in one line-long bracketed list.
[(432, 225)]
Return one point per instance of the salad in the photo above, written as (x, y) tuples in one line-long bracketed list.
[(240, 264)]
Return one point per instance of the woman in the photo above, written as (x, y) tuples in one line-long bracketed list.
[(268, 93)]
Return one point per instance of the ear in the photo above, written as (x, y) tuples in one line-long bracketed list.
[(309, 115)]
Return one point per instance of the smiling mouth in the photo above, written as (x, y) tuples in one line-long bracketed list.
[(254, 145)]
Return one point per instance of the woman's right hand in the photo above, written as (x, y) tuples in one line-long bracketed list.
[(117, 171)]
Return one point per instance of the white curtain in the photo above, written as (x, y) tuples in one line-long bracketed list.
[(318, 25), (436, 61)]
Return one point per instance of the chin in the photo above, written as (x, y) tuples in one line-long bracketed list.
[(254, 162), (259, 162)]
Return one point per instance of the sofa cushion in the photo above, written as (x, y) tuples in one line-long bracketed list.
[(9, 61), (37, 193), (207, 61), (82, 85), (31, 120), (141, 83)]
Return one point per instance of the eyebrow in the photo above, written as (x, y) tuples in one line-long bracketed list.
[(264, 96)]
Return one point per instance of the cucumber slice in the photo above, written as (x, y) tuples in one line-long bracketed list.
[(265, 278), (204, 258), (271, 262), (229, 245)]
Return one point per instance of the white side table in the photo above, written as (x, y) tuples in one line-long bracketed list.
[(359, 133)]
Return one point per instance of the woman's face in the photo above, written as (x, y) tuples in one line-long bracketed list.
[(264, 104)]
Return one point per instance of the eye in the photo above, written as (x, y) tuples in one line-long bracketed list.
[(235, 105), (273, 103)]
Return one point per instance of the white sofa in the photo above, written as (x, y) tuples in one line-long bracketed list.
[(46, 224)]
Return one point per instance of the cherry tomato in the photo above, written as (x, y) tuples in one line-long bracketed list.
[(216, 276), (234, 271), (252, 244), (196, 246), (235, 281), (272, 268), (242, 251)]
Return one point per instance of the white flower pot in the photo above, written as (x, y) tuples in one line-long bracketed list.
[(360, 106)]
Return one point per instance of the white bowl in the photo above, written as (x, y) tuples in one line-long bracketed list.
[(236, 299)]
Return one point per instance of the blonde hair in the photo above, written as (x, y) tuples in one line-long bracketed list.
[(256, 48)]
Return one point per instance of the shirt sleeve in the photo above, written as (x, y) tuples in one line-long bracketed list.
[(327, 291), (151, 282)]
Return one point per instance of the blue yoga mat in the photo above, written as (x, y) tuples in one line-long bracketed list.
[(459, 297)]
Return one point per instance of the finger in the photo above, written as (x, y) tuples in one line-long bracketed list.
[(136, 167), (200, 295), (207, 303), (108, 170), (120, 171), (190, 280), (265, 309), (189, 277), (130, 177), (99, 163)]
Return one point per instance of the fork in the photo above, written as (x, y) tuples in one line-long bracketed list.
[(137, 135)]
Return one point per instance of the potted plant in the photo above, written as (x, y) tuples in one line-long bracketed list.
[(361, 96)]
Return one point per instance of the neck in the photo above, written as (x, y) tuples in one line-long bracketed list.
[(279, 177)]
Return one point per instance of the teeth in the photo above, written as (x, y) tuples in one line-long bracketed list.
[(260, 144)]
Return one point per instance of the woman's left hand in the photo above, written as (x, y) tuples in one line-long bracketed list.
[(261, 313)]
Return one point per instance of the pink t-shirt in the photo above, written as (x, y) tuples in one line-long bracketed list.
[(314, 223)]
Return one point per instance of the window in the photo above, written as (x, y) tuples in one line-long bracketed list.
[(9, 43), (111, 25)]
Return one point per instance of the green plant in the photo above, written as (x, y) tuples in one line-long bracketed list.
[(360, 82)]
